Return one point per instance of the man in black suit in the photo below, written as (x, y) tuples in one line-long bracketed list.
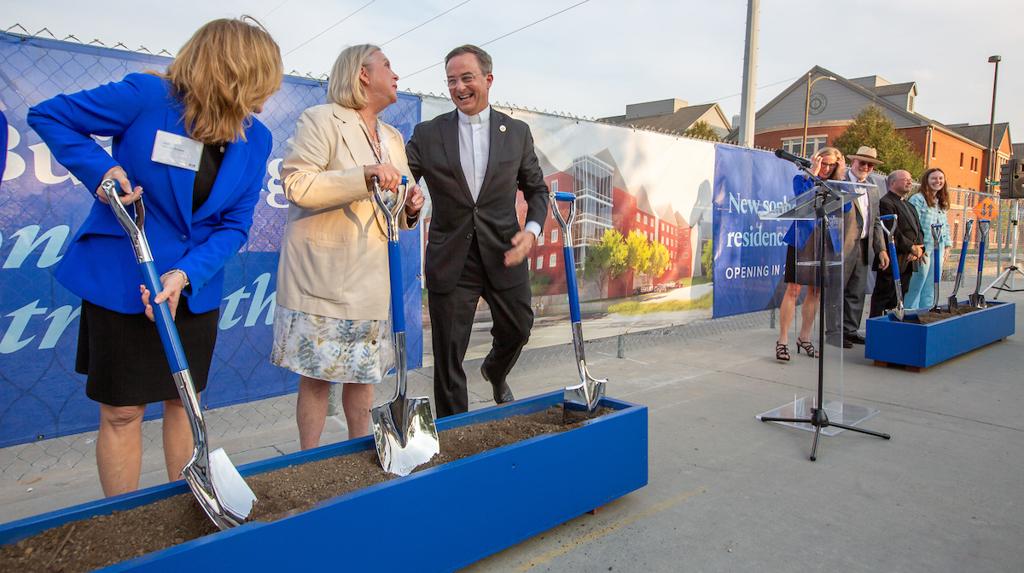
[(908, 238), (473, 160)]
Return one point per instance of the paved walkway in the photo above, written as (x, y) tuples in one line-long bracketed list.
[(726, 492)]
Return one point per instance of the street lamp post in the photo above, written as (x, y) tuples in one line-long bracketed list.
[(991, 180), (807, 109)]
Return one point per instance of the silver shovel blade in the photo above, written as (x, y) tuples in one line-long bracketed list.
[(405, 434), (584, 396), (977, 300), (222, 493), (954, 304), (235, 496)]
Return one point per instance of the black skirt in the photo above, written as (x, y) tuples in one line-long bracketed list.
[(125, 362)]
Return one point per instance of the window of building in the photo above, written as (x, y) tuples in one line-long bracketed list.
[(934, 147), (962, 160), (814, 143), (638, 217), (540, 263), (540, 239), (554, 235), (529, 264), (551, 260), (554, 186)]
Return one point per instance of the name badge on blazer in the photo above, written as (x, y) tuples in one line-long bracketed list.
[(177, 151)]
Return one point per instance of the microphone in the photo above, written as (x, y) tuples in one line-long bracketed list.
[(799, 161)]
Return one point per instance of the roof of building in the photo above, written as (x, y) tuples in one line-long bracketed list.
[(979, 133), (1018, 150), (894, 89), (871, 93), (677, 122)]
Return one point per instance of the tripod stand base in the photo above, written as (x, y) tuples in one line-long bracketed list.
[(846, 413), (820, 422), (1007, 276)]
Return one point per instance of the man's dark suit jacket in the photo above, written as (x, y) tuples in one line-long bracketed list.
[(433, 153), (908, 227)]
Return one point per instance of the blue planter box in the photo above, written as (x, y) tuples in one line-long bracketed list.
[(924, 345), (439, 519)]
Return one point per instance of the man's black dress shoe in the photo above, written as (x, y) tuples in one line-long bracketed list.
[(847, 343), (502, 393), (855, 338)]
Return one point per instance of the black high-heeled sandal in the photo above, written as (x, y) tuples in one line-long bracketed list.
[(781, 351), (807, 347)]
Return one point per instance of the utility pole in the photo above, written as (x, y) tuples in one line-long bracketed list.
[(747, 111)]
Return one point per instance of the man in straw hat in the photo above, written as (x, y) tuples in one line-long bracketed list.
[(863, 240)]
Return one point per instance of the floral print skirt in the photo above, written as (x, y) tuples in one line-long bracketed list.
[(332, 349)]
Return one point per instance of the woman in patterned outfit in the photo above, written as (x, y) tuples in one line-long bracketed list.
[(331, 320), (931, 203)]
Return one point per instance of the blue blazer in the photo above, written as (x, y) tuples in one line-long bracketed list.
[(803, 184), (99, 264)]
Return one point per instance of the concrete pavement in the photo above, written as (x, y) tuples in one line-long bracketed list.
[(726, 492)]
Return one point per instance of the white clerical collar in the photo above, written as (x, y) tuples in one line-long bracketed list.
[(483, 117)]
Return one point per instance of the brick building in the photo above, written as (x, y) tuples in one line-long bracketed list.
[(960, 150)]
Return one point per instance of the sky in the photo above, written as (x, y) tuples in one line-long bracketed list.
[(599, 55)]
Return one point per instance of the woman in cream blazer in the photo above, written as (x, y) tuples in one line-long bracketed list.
[(331, 320)]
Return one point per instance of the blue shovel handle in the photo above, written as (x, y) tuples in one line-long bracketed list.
[(164, 323), (983, 232), (565, 196), (893, 263), (397, 296), (963, 254), (570, 280)]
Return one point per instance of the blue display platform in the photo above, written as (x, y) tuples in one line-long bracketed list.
[(924, 345), (439, 519)]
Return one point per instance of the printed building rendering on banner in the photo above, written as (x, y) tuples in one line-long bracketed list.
[(42, 205)]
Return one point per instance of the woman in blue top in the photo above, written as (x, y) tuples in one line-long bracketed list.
[(932, 204), (826, 163), (200, 199)]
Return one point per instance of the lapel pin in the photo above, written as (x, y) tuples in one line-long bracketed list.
[(501, 128)]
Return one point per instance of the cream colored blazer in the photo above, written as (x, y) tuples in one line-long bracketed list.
[(334, 259)]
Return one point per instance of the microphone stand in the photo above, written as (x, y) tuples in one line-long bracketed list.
[(819, 418)]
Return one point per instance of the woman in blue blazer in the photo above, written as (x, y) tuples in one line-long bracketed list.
[(199, 198), (826, 163)]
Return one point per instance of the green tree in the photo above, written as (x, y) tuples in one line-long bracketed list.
[(606, 259), (702, 130), (659, 260), (707, 259), (638, 252), (872, 128)]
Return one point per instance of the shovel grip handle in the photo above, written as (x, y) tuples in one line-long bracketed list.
[(565, 196), (164, 322), (982, 239), (397, 287), (893, 263), (936, 265), (570, 283)]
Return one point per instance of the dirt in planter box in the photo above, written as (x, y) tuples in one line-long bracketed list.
[(935, 316), (104, 540)]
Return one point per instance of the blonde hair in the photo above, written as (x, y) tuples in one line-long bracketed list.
[(344, 87), (223, 74), (838, 172)]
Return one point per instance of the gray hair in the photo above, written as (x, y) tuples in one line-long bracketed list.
[(343, 87), (892, 176), (482, 57)]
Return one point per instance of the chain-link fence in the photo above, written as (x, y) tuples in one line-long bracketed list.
[(42, 205)]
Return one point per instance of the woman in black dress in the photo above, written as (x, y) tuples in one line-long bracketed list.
[(801, 240), (189, 138)]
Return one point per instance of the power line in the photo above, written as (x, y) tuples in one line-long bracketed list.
[(274, 9), (418, 26), (331, 27), (520, 29), (730, 96)]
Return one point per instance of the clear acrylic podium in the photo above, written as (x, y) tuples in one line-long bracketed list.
[(820, 263)]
